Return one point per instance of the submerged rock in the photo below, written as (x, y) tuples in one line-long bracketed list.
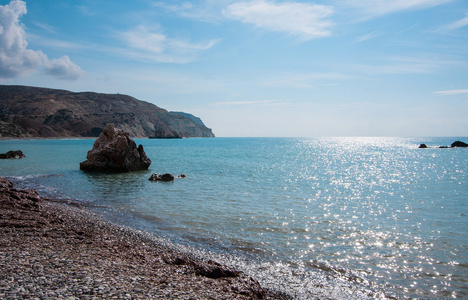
[(12, 155), (115, 151)]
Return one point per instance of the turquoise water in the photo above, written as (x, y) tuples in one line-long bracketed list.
[(333, 217)]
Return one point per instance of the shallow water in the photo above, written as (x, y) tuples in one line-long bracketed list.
[(334, 217)]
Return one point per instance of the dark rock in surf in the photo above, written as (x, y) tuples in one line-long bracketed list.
[(12, 198), (422, 146), (12, 155), (115, 151), (214, 270), (164, 177), (459, 144)]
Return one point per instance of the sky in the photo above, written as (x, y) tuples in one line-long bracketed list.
[(260, 68)]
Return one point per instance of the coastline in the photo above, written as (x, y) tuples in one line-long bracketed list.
[(53, 250)]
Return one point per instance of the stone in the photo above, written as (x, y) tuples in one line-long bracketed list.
[(12, 155), (459, 144), (115, 151), (422, 146), (214, 270), (13, 198), (164, 177)]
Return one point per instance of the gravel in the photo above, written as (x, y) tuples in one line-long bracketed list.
[(50, 250)]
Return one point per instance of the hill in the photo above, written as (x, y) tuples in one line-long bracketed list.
[(41, 112)]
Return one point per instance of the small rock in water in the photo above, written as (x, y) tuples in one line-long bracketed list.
[(12, 155), (164, 177)]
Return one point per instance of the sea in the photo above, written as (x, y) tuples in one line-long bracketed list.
[(316, 218)]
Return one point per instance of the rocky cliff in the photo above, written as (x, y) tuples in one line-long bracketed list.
[(41, 112)]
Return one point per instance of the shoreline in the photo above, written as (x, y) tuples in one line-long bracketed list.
[(50, 249)]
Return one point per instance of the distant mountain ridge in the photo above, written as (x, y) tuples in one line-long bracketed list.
[(42, 112)]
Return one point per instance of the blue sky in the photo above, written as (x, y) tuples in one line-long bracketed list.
[(256, 68)]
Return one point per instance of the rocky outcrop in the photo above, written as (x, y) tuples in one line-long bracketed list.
[(41, 112), (164, 134), (188, 125), (459, 144), (455, 144), (115, 151), (21, 198), (12, 155)]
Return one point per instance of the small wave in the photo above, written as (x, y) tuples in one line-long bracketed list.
[(305, 283), (28, 177), (35, 182)]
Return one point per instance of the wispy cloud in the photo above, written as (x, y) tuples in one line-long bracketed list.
[(15, 57), (306, 21), (203, 10), (152, 44), (457, 24), (401, 65), (86, 10), (398, 68), (57, 43), (301, 80), (368, 36), (255, 102), (373, 8), (452, 92), (45, 27)]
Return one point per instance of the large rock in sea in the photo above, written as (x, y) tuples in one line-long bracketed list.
[(115, 151)]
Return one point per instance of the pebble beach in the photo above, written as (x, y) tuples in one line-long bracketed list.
[(53, 250)]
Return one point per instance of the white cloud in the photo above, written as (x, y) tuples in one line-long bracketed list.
[(307, 21), (146, 44), (15, 59), (62, 68), (452, 92), (382, 7), (457, 24)]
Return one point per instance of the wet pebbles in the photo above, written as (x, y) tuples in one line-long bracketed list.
[(56, 251)]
